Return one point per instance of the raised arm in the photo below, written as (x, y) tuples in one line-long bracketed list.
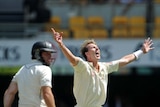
[(68, 54), (147, 46)]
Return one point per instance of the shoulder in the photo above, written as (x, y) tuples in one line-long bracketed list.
[(81, 61), (38, 67), (43, 68)]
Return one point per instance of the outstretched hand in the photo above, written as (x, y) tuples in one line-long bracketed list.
[(57, 36), (147, 45)]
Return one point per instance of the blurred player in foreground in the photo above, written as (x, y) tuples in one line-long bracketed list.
[(33, 81), (90, 75)]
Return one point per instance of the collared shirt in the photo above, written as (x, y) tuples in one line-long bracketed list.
[(90, 86), (30, 78)]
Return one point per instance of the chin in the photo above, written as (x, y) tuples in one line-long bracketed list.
[(98, 58)]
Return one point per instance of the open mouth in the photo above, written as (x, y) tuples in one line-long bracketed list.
[(97, 54)]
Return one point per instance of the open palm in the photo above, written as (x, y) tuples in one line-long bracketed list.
[(147, 45)]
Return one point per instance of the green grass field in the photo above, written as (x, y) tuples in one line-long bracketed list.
[(9, 70)]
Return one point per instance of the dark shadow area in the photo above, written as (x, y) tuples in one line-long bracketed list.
[(131, 90)]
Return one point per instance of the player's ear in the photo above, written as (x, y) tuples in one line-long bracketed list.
[(86, 54)]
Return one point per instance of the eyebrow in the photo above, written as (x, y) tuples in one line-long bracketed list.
[(93, 47)]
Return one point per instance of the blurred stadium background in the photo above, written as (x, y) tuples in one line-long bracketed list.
[(119, 27)]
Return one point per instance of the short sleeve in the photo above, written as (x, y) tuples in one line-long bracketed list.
[(46, 77), (14, 79), (113, 66), (80, 66)]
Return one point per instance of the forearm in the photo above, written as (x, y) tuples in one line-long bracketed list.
[(8, 99), (126, 60), (49, 99), (130, 58), (68, 54), (9, 94)]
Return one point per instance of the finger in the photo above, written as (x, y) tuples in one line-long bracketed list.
[(145, 40), (150, 44), (61, 33), (152, 48), (148, 40), (53, 30)]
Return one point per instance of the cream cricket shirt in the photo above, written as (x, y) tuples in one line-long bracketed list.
[(30, 78), (90, 86)]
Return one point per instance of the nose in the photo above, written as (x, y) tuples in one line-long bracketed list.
[(97, 48)]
